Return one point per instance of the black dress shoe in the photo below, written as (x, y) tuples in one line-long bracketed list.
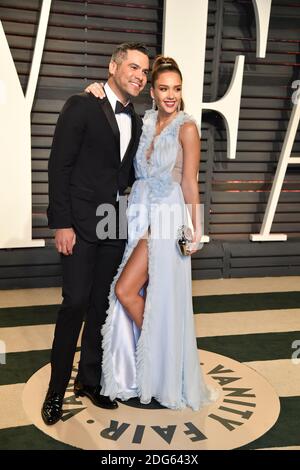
[(52, 407), (93, 393)]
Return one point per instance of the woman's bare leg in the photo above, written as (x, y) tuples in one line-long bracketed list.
[(133, 278)]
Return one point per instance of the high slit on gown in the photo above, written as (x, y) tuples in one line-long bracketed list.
[(161, 361)]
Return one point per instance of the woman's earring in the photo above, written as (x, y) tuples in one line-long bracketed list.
[(153, 104)]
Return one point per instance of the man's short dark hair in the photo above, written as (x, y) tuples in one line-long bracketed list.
[(120, 53)]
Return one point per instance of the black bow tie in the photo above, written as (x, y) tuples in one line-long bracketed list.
[(124, 109)]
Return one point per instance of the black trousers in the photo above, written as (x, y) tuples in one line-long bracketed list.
[(87, 277)]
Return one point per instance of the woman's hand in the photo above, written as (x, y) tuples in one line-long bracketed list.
[(195, 244), (97, 89)]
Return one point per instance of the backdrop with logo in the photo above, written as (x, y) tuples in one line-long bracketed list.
[(79, 40)]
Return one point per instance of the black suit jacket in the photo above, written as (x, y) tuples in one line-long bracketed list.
[(85, 168)]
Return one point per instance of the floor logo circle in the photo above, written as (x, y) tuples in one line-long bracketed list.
[(246, 408)]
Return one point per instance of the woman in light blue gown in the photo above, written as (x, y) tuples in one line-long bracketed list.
[(149, 344)]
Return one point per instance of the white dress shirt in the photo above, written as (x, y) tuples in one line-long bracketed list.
[(123, 120)]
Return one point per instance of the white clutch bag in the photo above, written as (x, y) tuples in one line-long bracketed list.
[(184, 239)]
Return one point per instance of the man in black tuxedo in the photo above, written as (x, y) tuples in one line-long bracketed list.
[(90, 164)]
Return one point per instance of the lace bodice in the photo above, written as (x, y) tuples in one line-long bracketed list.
[(164, 167), (178, 167)]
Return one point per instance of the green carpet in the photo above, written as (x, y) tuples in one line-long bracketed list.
[(267, 346)]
